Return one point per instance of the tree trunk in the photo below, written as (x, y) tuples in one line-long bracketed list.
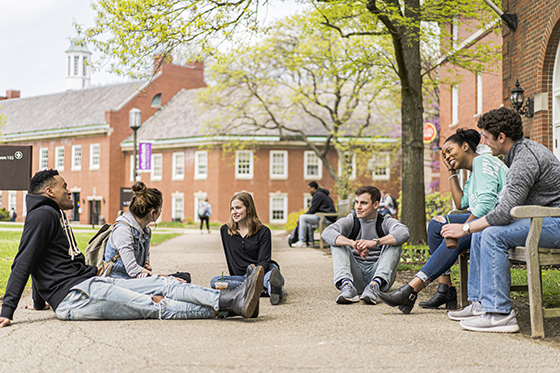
[(413, 196)]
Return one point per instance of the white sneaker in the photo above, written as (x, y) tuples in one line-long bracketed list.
[(473, 310), (299, 244), (492, 322)]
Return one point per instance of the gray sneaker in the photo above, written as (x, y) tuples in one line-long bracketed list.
[(473, 310), (370, 293), (348, 294), (492, 322)]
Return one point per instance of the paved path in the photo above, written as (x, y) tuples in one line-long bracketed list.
[(309, 332)]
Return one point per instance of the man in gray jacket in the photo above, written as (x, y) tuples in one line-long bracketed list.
[(533, 179), (366, 249)]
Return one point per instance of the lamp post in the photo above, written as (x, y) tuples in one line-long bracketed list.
[(135, 121)]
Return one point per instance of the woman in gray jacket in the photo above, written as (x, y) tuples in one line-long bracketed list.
[(131, 235)]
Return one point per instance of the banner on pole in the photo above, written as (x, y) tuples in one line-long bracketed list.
[(145, 156)]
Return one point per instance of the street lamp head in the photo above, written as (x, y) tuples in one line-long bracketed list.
[(135, 118), (517, 96)]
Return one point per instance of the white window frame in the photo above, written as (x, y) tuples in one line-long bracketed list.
[(178, 166), (43, 158), (351, 164), (283, 198), (454, 105), (76, 160), (306, 176), (201, 165), (12, 200), (24, 204), (283, 175), (94, 159), (156, 174), (380, 166), (178, 213), (132, 168), (307, 198), (478, 94), (238, 164), (59, 158)]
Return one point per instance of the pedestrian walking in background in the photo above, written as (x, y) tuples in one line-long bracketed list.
[(13, 215), (204, 213)]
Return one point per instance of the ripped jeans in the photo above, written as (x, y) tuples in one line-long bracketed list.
[(106, 298)]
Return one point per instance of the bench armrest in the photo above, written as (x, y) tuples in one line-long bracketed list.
[(332, 213), (534, 212)]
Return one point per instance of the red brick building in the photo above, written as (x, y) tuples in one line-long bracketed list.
[(86, 135)]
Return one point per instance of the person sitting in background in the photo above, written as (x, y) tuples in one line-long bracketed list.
[(247, 243), (131, 235), (366, 249), (480, 195), (320, 202)]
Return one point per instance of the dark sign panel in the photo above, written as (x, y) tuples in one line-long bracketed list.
[(15, 167), (126, 196)]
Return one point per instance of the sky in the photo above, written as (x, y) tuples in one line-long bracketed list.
[(34, 35)]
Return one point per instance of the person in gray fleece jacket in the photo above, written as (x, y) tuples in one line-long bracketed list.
[(365, 261), (533, 179)]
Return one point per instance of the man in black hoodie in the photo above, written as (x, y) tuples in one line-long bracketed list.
[(321, 202), (48, 252)]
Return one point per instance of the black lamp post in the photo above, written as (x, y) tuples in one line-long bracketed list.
[(517, 99), (135, 121)]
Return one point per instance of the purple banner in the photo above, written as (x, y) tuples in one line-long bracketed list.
[(145, 156)]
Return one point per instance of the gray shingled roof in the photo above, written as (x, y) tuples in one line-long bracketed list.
[(65, 110), (184, 117)]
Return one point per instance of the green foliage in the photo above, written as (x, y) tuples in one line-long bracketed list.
[(4, 214), (292, 219), (438, 204)]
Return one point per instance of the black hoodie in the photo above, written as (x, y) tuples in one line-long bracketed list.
[(321, 202), (43, 253)]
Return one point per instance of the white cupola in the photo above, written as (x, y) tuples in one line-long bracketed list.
[(78, 67)]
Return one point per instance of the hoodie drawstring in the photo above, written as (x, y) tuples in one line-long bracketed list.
[(73, 247)]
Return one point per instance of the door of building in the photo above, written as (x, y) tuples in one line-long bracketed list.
[(76, 210), (94, 209)]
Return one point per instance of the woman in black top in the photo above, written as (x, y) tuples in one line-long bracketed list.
[(248, 242)]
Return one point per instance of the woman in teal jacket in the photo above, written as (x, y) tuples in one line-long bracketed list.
[(479, 195)]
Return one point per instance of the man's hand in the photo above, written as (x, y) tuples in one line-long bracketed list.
[(452, 231), (4, 322), (31, 307), (148, 266)]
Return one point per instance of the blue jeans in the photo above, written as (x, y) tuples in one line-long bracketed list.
[(305, 225), (106, 298), (362, 272), (235, 281), (442, 258), (489, 271)]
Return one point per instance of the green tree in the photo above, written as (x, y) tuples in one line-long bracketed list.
[(133, 31), (302, 81)]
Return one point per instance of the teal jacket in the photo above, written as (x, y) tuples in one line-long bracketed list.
[(485, 182)]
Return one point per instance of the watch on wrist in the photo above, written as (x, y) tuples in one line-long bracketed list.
[(467, 228), (377, 242)]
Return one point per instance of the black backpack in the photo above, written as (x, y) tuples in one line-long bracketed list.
[(357, 226)]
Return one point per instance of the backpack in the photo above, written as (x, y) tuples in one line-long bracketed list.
[(356, 227), (203, 210), (95, 251)]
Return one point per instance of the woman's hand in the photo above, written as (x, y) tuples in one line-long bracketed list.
[(148, 266), (449, 168)]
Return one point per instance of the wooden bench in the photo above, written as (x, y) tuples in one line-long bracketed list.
[(342, 211), (535, 257)]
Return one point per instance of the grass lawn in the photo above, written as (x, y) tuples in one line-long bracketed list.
[(9, 243)]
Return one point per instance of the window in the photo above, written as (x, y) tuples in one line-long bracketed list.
[(177, 208), (24, 208), (178, 166), (156, 101), (350, 164), (381, 167), (278, 208), (307, 198), (157, 167), (279, 165), (59, 158), (84, 66), (94, 156), (76, 157), (12, 200), (76, 64), (244, 164), (478, 94), (454, 105), (200, 165), (0, 199), (312, 166), (43, 158)]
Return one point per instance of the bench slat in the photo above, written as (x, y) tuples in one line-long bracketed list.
[(533, 211)]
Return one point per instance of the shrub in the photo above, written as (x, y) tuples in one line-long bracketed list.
[(292, 219), (4, 214)]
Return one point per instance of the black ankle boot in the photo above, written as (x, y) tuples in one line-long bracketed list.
[(243, 300), (275, 287), (404, 298), (445, 295)]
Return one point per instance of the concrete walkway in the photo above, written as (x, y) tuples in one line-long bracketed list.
[(308, 332)]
